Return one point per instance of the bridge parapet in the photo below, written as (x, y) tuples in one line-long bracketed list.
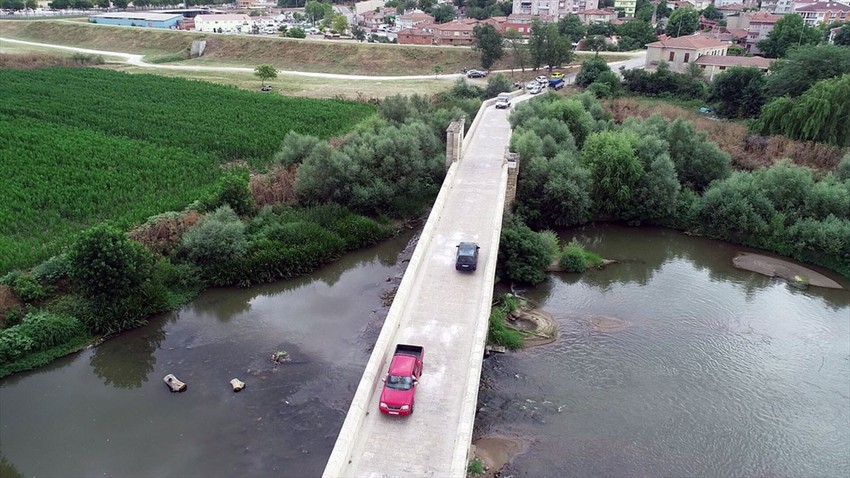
[(454, 141), (512, 159)]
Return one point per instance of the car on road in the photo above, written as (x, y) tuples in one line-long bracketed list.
[(476, 74), (467, 256), (557, 75), (534, 88), (542, 80), (503, 101), (399, 393)]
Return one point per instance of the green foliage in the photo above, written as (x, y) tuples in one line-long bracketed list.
[(736, 209), (475, 467), (28, 289), (52, 270), (498, 83), (804, 66), (231, 190), (635, 34), (615, 169), (41, 337), (218, 238), (572, 260), (523, 254), (295, 147), (683, 22), (140, 171), (698, 161), (820, 114), (547, 46), (488, 41), (590, 70), (842, 171), (265, 72), (663, 83), (105, 264), (296, 32), (842, 38), (738, 92), (571, 27), (825, 242), (500, 334), (788, 32), (607, 85)]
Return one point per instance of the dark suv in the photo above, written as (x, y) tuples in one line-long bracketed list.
[(467, 256)]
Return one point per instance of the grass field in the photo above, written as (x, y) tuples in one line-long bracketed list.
[(84, 145)]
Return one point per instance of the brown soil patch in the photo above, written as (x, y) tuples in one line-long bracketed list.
[(496, 452), (602, 323), (790, 271), (8, 302)]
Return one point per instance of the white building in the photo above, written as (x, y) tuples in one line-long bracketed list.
[(628, 6), (679, 52), (823, 12), (223, 23), (553, 8)]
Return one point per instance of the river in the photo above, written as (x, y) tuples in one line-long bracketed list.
[(717, 372)]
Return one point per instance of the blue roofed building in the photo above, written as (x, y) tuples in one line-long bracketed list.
[(140, 19)]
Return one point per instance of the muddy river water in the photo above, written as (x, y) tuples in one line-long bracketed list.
[(672, 363)]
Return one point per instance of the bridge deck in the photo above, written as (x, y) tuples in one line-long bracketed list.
[(446, 312)]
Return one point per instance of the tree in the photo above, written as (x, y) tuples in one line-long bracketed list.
[(635, 34), (339, 24), (788, 31), (804, 66), (316, 11), (517, 45), (265, 72), (106, 264), (711, 13), (819, 114), (547, 46), (594, 43), (842, 38), (438, 68), (443, 13), (571, 27), (604, 29), (122, 4), (738, 92), (590, 71), (523, 255), (296, 32), (683, 21), (614, 167), (488, 41), (358, 32), (662, 11)]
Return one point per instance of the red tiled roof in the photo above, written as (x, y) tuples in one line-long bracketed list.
[(737, 32), (689, 42), (453, 25), (598, 11), (764, 17), (745, 61)]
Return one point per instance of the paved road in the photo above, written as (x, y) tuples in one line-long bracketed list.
[(138, 60)]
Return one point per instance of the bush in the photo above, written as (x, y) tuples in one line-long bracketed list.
[(590, 70), (28, 289), (498, 83), (38, 332), (842, 171), (572, 260), (231, 190), (218, 238), (523, 254), (105, 264), (52, 270), (294, 148), (500, 334)]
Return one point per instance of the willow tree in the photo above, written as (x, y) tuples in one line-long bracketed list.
[(821, 114)]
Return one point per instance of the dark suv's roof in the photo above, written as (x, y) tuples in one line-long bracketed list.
[(466, 248)]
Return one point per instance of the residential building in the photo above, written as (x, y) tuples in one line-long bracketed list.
[(628, 6), (740, 3), (728, 9), (416, 36), (823, 12), (715, 65), (603, 15), (139, 19), (230, 23), (368, 6), (777, 7), (455, 32), (372, 19), (522, 22), (411, 20), (679, 52), (757, 24), (552, 8)]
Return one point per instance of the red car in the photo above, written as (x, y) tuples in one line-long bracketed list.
[(397, 397)]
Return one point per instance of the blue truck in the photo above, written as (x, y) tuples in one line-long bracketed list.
[(556, 83)]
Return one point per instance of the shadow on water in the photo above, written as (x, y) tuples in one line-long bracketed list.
[(128, 363)]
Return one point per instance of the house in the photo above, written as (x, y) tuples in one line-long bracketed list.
[(231, 23), (758, 25), (368, 6), (553, 8), (714, 65), (373, 19), (777, 7), (416, 36), (411, 20), (628, 6), (729, 9), (134, 19), (823, 13), (741, 4), (603, 15), (455, 32), (522, 22), (679, 52)]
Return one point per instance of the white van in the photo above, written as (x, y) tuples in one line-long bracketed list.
[(503, 101)]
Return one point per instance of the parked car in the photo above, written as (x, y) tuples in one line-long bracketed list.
[(534, 88), (397, 397), (476, 74), (557, 75), (503, 101), (542, 80), (467, 256)]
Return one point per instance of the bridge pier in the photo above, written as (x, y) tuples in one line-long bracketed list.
[(512, 159), (454, 141)]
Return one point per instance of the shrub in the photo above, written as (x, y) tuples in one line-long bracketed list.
[(28, 289), (39, 331), (294, 148), (615, 169), (218, 238), (231, 190), (52, 270), (590, 70), (498, 83), (523, 254), (572, 260), (106, 264), (842, 171), (500, 334)]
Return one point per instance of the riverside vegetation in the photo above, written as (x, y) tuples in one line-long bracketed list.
[(580, 166), (199, 191)]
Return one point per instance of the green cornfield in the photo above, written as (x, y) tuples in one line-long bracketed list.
[(82, 146)]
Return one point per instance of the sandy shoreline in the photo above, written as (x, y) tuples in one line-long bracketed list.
[(790, 271)]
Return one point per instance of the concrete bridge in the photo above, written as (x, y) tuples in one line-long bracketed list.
[(445, 311)]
